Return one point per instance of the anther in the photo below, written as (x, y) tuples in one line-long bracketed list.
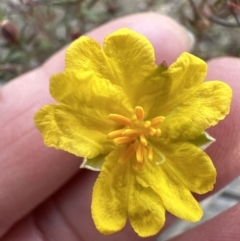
[(115, 134), (123, 140), (120, 119), (150, 153), (152, 131), (157, 120), (158, 132), (130, 133), (140, 152), (139, 113), (147, 124), (143, 140)]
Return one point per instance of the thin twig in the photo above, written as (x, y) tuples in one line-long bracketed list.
[(222, 22)]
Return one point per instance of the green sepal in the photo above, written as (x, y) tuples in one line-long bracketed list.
[(94, 164), (203, 141)]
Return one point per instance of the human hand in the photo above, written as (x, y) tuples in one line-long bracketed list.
[(43, 194)]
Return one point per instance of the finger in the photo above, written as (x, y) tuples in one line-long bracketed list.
[(31, 171), (63, 217), (225, 151), (223, 227)]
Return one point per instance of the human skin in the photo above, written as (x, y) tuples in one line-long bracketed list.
[(43, 194)]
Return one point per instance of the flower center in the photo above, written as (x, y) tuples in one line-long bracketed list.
[(135, 135)]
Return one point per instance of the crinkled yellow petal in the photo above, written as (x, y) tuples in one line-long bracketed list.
[(189, 166), (80, 125), (173, 85), (146, 211), (130, 59), (117, 195), (127, 60), (176, 197), (110, 195), (69, 130), (203, 108), (85, 54), (91, 96)]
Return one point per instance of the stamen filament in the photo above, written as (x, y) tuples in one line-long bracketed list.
[(127, 154), (115, 134), (120, 119), (141, 166), (157, 120), (123, 140), (139, 113), (143, 140)]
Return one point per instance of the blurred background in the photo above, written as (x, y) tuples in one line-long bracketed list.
[(32, 30)]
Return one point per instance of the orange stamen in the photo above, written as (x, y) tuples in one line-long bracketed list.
[(127, 154), (157, 120), (152, 131), (140, 152), (141, 166), (131, 133), (115, 134), (123, 140), (143, 140), (120, 119), (139, 113), (147, 124), (158, 133), (150, 153)]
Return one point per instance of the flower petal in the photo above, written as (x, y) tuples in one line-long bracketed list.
[(173, 85), (85, 54), (91, 96), (189, 166), (68, 130), (203, 108), (117, 194), (130, 61), (127, 60), (110, 195), (146, 210), (176, 198)]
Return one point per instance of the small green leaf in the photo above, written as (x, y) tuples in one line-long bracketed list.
[(94, 164), (203, 141)]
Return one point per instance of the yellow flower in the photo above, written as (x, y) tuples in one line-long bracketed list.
[(141, 124)]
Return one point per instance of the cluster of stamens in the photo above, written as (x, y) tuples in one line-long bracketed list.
[(135, 135)]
